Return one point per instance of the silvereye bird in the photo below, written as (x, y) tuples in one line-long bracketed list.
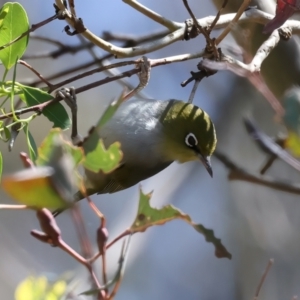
[(152, 134)]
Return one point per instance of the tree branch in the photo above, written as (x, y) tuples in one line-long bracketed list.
[(237, 173)]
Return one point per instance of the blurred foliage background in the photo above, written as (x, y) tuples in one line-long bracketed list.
[(255, 223)]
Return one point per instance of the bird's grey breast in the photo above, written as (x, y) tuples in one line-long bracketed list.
[(137, 127)]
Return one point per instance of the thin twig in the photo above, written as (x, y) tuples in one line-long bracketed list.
[(203, 31), (63, 49), (120, 236), (152, 15), (24, 63), (175, 35), (128, 40), (34, 36), (33, 28), (263, 278), (131, 39), (104, 268), (123, 234), (241, 68), (215, 21), (154, 63), (122, 263), (86, 247), (103, 250), (65, 247), (91, 72), (241, 10), (72, 7), (237, 173), (193, 92), (94, 207), (178, 32)]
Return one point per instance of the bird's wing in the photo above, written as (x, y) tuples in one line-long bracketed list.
[(112, 187)]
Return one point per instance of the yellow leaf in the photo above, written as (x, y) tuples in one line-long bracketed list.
[(293, 143)]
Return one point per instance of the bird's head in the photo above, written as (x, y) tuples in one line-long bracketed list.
[(189, 133)]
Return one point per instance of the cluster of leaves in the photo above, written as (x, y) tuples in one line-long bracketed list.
[(54, 176), (13, 24)]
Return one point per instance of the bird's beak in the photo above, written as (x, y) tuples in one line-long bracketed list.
[(206, 162)]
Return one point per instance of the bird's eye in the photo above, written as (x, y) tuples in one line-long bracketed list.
[(191, 140)]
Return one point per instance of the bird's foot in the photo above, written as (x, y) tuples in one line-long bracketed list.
[(69, 96), (144, 65)]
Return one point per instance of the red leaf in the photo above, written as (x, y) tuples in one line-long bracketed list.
[(284, 10), (293, 3)]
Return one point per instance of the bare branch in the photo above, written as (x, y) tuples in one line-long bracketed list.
[(213, 24), (177, 33), (237, 173), (193, 92), (240, 68), (153, 15), (241, 10), (196, 24), (153, 63), (263, 278), (33, 28), (89, 73), (24, 63)]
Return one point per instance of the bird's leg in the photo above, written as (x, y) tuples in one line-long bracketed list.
[(69, 96), (144, 76)]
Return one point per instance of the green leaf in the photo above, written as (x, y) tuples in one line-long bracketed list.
[(13, 23), (3, 14), (31, 144), (148, 216), (53, 182), (100, 158), (55, 113), (45, 149), (97, 157), (34, 187), (6, 132)]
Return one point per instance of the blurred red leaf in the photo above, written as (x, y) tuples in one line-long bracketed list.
[(284, 10)]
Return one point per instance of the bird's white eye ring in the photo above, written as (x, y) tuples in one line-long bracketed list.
[(191, 140)]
